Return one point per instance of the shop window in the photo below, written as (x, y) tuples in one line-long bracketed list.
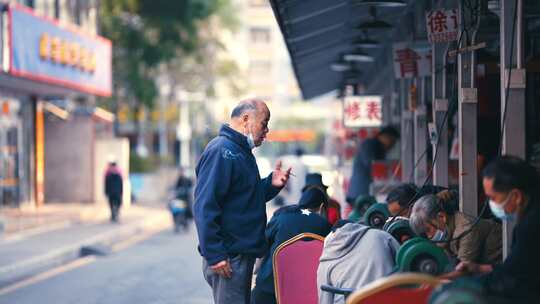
[(259, 35)]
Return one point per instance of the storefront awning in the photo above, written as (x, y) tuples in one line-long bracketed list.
[(318, 32)]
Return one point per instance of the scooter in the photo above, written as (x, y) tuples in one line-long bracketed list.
[(179, 209)]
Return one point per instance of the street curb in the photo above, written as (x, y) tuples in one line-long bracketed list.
[(16, 272)]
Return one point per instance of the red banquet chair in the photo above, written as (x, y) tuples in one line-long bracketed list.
[(295, 265), (402, 288)]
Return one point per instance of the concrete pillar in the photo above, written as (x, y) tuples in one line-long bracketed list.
[(440, 114), (512, 90), (467, 117), (407, 134), (420, 144)]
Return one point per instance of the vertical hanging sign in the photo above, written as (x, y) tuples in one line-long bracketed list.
[(442, 25)]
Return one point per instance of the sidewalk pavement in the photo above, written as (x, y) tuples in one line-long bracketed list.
[(38, 240)]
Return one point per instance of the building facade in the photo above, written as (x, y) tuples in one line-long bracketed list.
[(49, 51)]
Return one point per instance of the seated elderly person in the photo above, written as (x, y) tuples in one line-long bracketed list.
[(456, 232), (401, 199), (361, 205), (354, 255), (286, 223)]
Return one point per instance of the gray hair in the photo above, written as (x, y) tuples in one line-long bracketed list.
[(424, 211), (244, 106)]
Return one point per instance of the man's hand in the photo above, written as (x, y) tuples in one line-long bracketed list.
[(280, 178), (223, 269), (473, 268), (445, 195)]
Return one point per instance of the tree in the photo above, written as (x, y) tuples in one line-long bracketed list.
[(147, 33)]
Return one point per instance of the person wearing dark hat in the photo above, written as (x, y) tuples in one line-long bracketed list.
[(286, 223), (333, 209)]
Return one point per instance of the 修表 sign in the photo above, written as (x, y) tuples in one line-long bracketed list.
[(442, 25), (362, 111)]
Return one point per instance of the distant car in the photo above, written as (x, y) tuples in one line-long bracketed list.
[(315, 163)]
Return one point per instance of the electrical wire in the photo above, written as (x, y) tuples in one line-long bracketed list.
[(507, 94)]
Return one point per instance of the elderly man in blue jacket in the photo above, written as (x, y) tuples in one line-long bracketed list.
[(230, 197)]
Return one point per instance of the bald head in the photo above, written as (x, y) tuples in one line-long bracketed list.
[(251, 116), (248, 105)]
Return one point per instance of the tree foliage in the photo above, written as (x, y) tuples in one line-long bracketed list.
[(147, 33)]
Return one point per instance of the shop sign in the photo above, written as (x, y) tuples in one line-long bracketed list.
[(411, 60), (44, 51), (442, 25), (362, 111)]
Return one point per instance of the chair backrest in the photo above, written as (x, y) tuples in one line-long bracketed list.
[(403, 288), (295, 265)]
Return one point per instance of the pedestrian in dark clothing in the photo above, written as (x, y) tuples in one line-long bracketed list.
[(401, 199), (286, 223), (183, 191), (114, 189), (512, 188), (371, 149), (230, 197)]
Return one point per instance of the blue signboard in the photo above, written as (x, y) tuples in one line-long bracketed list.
[(44, 51)]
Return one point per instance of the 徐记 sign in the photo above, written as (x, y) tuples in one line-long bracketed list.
[(44, 51)]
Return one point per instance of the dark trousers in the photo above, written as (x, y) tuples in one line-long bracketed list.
[(259, 296), (235, 290), (114, 204)]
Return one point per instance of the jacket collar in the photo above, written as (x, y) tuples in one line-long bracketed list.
[(235, 136)]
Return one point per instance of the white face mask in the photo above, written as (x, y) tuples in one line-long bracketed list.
[(498, 210), (250, 139), (439, 236)]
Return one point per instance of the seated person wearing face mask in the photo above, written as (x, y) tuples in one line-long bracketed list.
[(481, 243), (401, 199), (354, 255), (287, 222), (512, 187)]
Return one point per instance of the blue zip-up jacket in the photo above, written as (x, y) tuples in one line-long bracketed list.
[(286, 223), (230, 197)]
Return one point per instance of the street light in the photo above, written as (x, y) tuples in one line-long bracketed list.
[(340, 66), (380, 3), (366, 43), (374, 24)]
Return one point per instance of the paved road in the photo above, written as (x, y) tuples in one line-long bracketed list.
[(165, 268)]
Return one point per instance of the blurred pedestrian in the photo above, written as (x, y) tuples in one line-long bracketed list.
[(114, 188), (183, 190), (371, 149), (230, 197)]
